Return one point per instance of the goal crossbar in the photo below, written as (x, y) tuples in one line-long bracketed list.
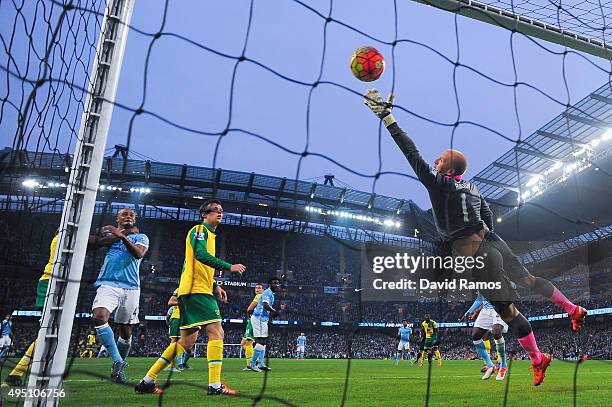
[(525, 25)]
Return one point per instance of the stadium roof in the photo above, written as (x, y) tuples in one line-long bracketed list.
[(556, 144), (176, 185), (550, 185)]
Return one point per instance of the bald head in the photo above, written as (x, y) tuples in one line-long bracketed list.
[(451, 162)]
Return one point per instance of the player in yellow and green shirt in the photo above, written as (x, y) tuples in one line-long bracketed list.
[(248, 338), (14, 377), (90, 345), (198, 307), (429, 337)]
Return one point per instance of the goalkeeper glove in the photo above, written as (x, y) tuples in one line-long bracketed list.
[(380, 108)]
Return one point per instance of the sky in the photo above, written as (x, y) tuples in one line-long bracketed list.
[(190, 86)]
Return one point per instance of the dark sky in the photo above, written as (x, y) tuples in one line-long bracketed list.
[(191, 86)]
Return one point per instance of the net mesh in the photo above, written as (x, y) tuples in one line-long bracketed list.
[(47, 53), (588, 18)]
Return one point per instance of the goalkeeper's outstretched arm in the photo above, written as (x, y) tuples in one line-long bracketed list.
[(383, 110)]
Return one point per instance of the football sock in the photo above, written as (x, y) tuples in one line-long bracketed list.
[(548, 290), (214, 354), (500, 346), (248, 352), (172, 351), (262, 355), (438, 355), (522, 330), (123, 346), (107, 338), (562, 301), (258, 349), (529, 344), (24, 362), (482, 351)]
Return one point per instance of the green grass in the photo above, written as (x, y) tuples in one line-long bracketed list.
[(371, 383)]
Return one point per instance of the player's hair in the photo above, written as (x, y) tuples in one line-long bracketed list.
[(274, 278), (404, 320), (261, 284), (205, 207)]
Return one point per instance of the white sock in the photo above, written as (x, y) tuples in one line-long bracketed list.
[(215, 385), (147, 379)]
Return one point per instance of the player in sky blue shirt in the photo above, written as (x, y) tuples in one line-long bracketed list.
[(121, 269), (477, 302), (403, 335), (488, 323), (301, 346), (260, 310), (6, 326), (118, 287), (259, 321), (5, 338)]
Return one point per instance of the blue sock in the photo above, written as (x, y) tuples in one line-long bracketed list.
[(262, 354), (482, 351), (124, 347), (500, 346), (107, 338), (255, 357), (397, 356)]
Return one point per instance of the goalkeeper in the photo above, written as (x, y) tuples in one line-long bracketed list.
[(463, 218)]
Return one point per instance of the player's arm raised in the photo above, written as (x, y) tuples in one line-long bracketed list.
[(101, 240), (382, 109), (137, 250), (475, 306)]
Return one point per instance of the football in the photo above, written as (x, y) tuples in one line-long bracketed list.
[(367, 64)]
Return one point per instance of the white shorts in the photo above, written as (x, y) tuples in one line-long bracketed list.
[(121, 301), (5, 341), (260, 328), (301, 349), (487, 318), (403, 345)]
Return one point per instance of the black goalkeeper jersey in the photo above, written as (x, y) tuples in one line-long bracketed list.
[(458, 207)]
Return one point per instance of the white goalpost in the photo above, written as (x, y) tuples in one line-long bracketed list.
[(49, 361)]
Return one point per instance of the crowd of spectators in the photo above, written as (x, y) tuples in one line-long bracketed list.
[(307, 263), (594, 340)]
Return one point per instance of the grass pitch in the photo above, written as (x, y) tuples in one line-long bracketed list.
[(322, 383)]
